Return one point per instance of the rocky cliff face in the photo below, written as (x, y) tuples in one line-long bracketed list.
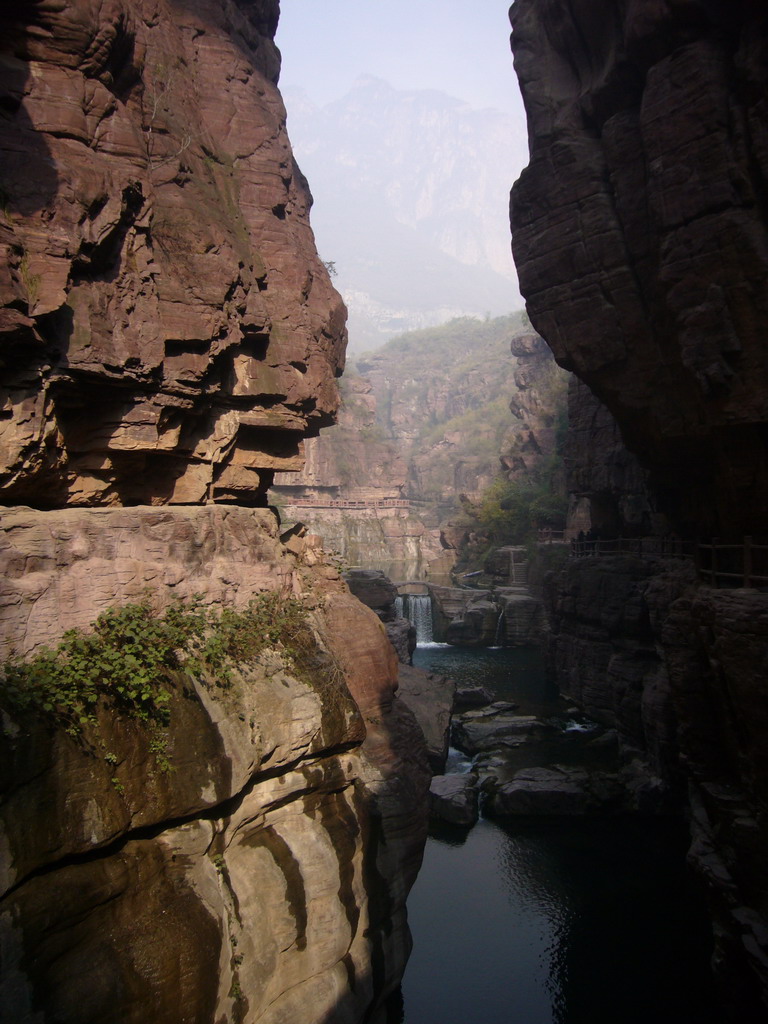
[(256, 869), (169, 339), (608, 487), (428, 423), (640, 238), (676, 669), (356, 462), (445, 394), (169, 333), (643, 214)]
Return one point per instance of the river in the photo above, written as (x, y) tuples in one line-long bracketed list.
[(553, 921)]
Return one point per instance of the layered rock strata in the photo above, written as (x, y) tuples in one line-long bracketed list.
[(170, 338), (169, 333), (502, 617), (641, 244), (608, 489), (352, 491), (258, 870), (642, 214), (675, 668)]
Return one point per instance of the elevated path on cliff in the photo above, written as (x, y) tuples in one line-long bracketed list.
[(741, 564)]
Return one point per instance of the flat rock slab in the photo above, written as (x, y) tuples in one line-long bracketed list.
[(453, 798), (558, 790), (494, 726)]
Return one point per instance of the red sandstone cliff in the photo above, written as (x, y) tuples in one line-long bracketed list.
[(169, 333), (169, 338), (643, 214)]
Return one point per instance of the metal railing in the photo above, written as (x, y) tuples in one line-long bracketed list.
[(719, 564), (739, 565), (651, 547), (347, 503), (547, 536)]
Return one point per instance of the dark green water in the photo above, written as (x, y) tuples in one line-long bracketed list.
[(593, 921)]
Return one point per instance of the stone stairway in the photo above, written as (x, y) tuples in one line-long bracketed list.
[(518, 574)]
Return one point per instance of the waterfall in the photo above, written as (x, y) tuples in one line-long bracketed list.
[(501, 630), (421, 617), (417, 608)]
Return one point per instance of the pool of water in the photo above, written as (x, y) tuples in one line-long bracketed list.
[(591, 921)]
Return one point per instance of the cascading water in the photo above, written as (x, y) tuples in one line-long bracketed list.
[(501, 630), (417, 608)]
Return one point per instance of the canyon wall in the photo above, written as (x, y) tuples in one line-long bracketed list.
[(170, 334), (247, 860), (642, 212), (425, 427), (170, 338), (639, 231), (356, 462)]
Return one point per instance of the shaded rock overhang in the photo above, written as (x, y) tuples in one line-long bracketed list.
[(169, 334), (640, 233)]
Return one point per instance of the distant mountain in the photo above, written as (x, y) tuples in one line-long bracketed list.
[(411, 199)]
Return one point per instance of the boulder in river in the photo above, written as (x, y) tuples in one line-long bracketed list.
[(556, 790), (477, 626), (494, 726), (471, 697), (374, 589), (402, 636), (453, 798), (429, 697)]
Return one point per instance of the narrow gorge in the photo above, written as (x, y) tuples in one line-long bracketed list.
[(224, 760), (426, 425)]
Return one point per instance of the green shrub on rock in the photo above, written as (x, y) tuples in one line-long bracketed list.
[(128, 657)]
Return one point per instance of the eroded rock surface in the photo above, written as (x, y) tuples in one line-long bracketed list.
[(454, 798), (169, 332), (640, 232), (558, 791), (677, 669), (430, 697), (262, 875), (170, 337), (494, 726), (641, 240)]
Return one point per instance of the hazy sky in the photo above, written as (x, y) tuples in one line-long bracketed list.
[(460, 47)]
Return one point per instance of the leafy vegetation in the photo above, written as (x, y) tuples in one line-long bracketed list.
[(510, 512), (452, 350), (443, 395), (128, 658)]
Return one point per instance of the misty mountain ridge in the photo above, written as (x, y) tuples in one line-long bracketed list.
[(409, 205)]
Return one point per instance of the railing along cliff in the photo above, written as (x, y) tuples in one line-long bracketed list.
[(742, 564), (348, 503)]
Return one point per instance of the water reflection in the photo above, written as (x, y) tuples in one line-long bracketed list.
[(480, 953), (555, 921)]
